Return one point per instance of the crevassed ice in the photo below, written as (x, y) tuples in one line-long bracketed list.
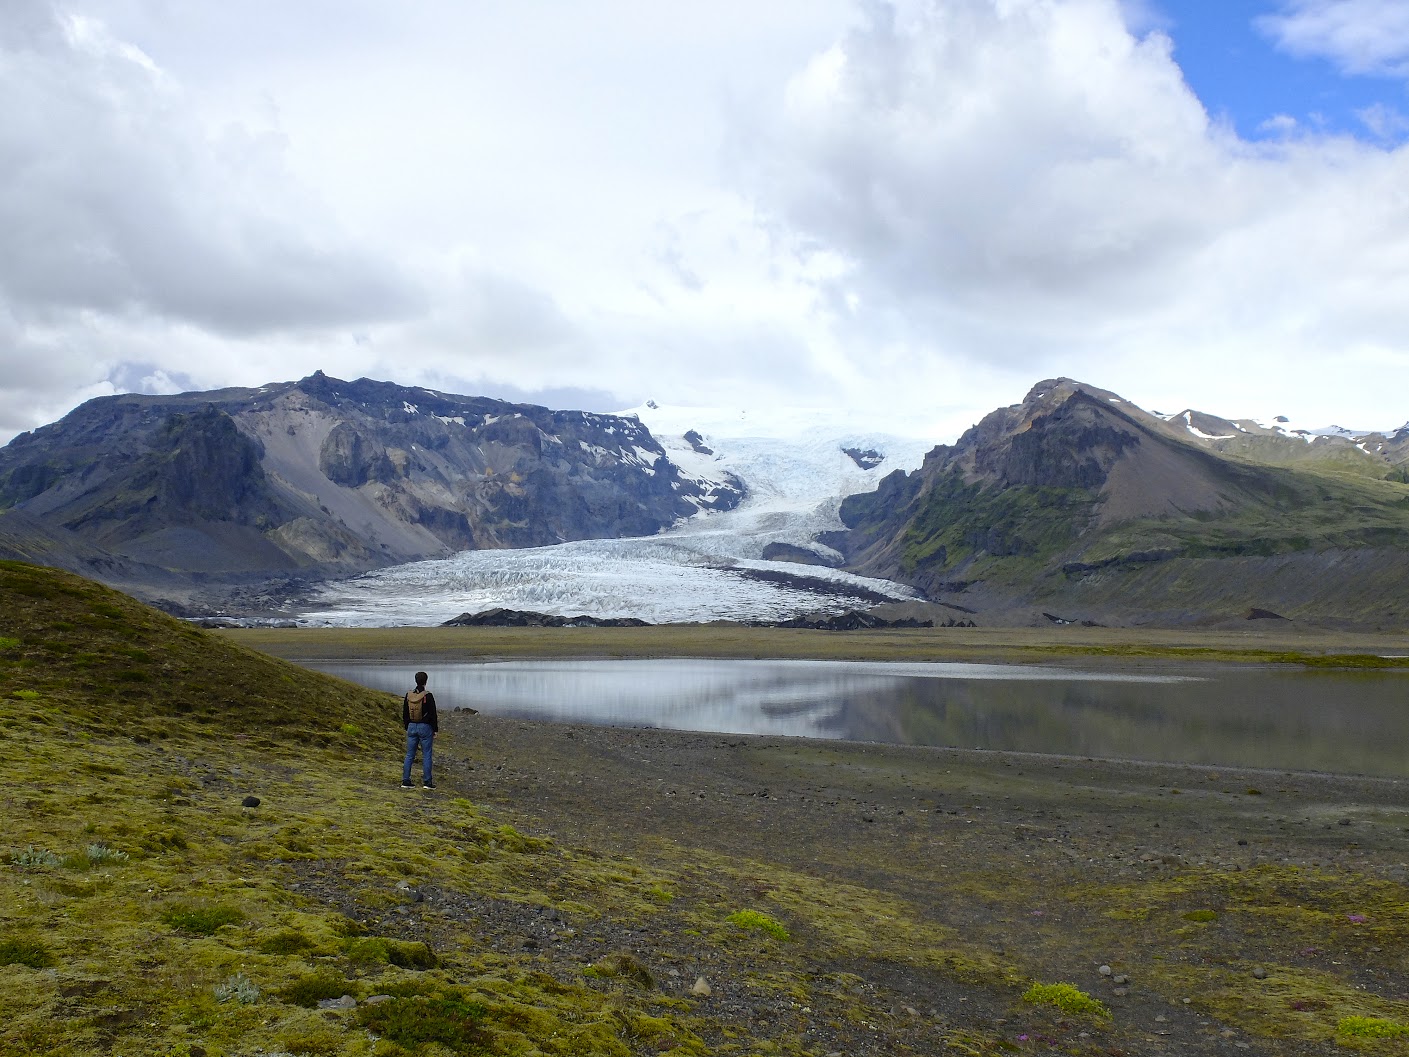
[(796, 474)]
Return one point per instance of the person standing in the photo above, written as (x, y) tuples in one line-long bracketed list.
[(419, 718)]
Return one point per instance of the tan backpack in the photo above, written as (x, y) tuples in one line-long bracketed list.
[(415, 705)]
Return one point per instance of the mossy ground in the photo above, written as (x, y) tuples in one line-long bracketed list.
[(563, 889)]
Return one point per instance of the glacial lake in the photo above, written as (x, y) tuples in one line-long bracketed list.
[(1233, 716)]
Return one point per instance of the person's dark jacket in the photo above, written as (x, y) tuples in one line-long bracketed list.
[(427, 712)]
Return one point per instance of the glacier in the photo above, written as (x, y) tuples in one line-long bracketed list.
[(796, 470)]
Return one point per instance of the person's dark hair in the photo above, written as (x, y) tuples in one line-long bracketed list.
[(421, 678)]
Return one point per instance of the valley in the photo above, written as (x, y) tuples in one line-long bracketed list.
[(366, 503)]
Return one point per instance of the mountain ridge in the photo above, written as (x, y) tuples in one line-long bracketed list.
[(326, 477), (1076, 496)]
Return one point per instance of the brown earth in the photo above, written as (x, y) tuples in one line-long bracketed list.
[(1228, 897)]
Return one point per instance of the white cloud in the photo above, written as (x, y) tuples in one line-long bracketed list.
[(117, 201), (927, 205), (1359, 36), (1384, 122), (1029, 186)]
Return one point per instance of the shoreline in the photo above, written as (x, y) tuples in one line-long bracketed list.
[(996, 645)]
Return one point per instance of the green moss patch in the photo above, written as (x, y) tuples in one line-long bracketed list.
[(201, 920), (1371, 1028), (757, 921), (1069, 999), (317, 987), (25, 952), (448, 1019)]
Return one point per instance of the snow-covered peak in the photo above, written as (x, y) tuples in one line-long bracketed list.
[(793, 459)]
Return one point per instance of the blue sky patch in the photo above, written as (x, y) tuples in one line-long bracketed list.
[(1234, 65)]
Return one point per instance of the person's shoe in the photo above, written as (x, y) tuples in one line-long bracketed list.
[(407, 785), (427, 785)]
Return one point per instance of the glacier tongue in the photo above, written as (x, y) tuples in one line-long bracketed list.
[(796, 470)]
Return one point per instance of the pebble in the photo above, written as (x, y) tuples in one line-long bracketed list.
[(250, 801), (1121, 980), (1121, 992), (1260, 973), (376, 1000), (1160, 1018), (702, 988), (345, 1002), (1105, 970)]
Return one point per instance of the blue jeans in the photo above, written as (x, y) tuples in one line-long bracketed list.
[(422, 735)]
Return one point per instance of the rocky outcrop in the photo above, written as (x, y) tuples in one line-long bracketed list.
[(791, 552), (327, 477), (520, 618)]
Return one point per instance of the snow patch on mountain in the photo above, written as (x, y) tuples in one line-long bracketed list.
[(795, 468)]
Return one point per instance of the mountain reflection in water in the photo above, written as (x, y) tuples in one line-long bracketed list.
[(1344, 722)]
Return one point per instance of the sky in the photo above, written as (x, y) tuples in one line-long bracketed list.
[(909, 210)]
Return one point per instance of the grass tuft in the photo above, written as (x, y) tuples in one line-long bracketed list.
[(308, 991), (1372, 1028), (377, 950), (623, 966), (201, 920), (757, 921), (1070, 1000), (286, 941), (448, 1019), (25, 952)]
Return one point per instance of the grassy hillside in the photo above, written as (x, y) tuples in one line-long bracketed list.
[(145, 910), (148, 907), (1044, 542), (834, 898)]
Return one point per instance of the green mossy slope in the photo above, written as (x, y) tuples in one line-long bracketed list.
[(145, 910), (106, 664)]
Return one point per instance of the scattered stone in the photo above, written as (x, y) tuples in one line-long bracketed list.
[(250, 801), (1121, 992), (1121, 980), (1260, 973), (1160, 1018), (1105, 970), (1344, 822), (702, 988), (345, 1002), (376, 1000)]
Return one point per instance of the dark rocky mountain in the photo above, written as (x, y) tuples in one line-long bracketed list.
[(1077, 502), (324, 477)]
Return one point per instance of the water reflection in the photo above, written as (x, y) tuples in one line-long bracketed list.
[(1231, 716)]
